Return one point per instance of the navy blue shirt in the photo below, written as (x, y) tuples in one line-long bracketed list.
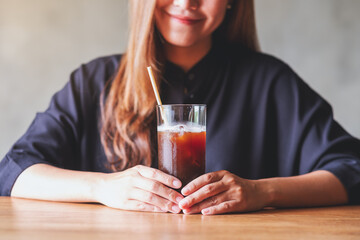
[(263, 121)]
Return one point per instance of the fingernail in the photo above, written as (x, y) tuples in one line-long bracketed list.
[(178, 199), (157, 209), (185, 191), (183, 203), (175, 209), (177, 183), (186, 211), (205, 211)]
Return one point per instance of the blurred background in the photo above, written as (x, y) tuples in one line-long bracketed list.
[(42, 41)]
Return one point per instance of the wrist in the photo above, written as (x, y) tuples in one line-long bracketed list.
[(97, 183), (267, 190)]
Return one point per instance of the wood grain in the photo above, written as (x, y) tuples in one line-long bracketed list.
[(31, 219)]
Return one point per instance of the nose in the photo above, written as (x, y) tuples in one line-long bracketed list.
[(187, 4)]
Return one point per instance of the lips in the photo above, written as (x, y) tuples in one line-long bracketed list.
[(184, 19)]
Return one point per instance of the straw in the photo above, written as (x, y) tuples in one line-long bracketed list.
[(157, 95)]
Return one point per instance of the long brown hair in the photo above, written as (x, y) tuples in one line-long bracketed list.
[(128, 111)]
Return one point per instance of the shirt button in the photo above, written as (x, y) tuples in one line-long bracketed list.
[(191, 76), (192, 96)]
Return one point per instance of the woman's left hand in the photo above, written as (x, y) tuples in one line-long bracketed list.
[(222, 192)]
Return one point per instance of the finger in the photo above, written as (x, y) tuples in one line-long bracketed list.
[(203, 193), (135, 205), (158, 189), (153, 199), (201, 181), (209, 202), (224, 207), (158, 175)]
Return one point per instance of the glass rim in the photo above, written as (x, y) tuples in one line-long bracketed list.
[(181, 105)]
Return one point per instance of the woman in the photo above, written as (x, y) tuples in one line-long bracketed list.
[(271, 141)]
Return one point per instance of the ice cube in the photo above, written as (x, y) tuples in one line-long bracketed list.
[(181, 128)]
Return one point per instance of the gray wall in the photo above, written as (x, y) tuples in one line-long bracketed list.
[(42, 41), (320, 39)]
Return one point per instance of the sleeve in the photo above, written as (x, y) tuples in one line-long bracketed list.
[(53, 136), (309, 137)]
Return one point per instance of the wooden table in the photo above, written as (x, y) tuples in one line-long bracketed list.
[(31, 219)]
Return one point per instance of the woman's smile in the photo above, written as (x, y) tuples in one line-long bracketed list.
[(187, 25), (185, 20)]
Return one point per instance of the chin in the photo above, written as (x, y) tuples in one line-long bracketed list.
[(181, 42)]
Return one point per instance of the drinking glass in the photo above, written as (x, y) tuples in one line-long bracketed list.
[(181, 130)]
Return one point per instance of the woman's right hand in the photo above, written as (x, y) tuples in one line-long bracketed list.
[(139, 188)]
